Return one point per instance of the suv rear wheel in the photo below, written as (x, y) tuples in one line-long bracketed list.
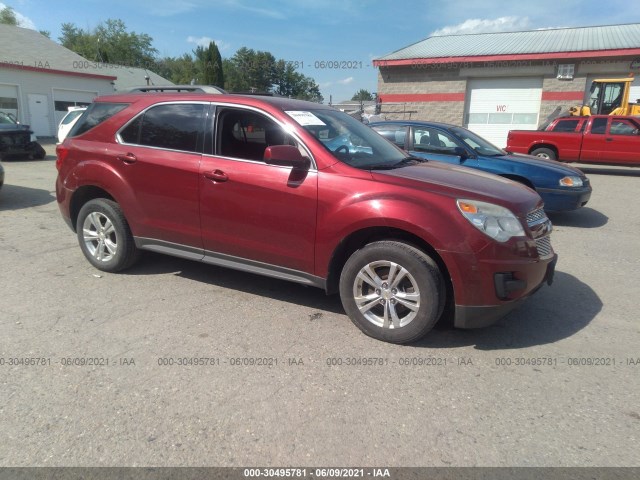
[(105, 237), (392, 291)]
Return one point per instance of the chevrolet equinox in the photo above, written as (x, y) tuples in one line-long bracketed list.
[(302, 192)]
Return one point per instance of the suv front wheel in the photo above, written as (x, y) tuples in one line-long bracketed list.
[(105, 237), (392, 291)]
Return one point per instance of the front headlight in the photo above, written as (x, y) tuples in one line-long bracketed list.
[(570, 181), (493, 220)]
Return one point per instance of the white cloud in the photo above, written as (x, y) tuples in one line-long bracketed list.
[(23, 21), (478, 25), (205, 41), (345, 81)]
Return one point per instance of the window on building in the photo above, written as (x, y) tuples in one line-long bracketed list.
[(8, 103)]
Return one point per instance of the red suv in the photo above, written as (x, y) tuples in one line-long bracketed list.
[(302, 192)]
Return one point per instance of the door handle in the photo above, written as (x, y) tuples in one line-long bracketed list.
[(609, 139), (217, 176), (128, 158)]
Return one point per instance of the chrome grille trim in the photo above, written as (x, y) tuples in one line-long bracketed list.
[(536, 216), (543, 243), (544, 247)]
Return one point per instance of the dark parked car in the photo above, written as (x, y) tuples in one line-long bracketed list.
[(263, 184), (17, 139), (562, 187)]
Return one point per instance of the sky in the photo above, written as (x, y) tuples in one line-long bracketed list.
[(332, 41)]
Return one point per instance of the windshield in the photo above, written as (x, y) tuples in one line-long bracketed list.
[(349, 140), (477, 143)]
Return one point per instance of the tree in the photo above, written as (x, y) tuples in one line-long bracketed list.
[(179, 70), (8, 17), (362, 95), (250, 70), (110, 42), (209, 65)]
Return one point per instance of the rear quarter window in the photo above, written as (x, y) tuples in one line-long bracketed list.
[(95, 115)]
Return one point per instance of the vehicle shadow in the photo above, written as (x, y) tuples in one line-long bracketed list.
[(14, 197), (552, 314), (620, 171), (583, 218), (290, 292)]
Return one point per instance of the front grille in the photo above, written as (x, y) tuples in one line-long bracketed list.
[(536, 216), (544, 247), (13, 139), (536, 220)]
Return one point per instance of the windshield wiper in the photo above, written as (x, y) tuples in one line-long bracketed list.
[(402, 163), (409, 160)]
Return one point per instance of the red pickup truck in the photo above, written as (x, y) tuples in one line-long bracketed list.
[(604, 139)]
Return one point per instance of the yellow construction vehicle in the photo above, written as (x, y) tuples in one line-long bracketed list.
[(609, 96)]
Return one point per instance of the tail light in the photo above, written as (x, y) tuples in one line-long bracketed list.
[(62, 153)]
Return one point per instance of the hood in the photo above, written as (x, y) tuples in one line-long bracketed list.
[(462, 182), (560, 168), (8, 127)]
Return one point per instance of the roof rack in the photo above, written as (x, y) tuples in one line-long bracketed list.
[(176, 89)]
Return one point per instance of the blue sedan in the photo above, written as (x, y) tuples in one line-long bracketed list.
[(561, 186)]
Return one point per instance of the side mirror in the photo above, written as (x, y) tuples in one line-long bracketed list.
[(286, 155), (461, 152)]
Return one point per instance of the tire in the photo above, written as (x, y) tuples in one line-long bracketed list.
[(37, 152), (544, 153), (416, 294), (105, 237)]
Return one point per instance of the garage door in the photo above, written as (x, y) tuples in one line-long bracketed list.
[(9, 99), (496, 106), (63, 99)]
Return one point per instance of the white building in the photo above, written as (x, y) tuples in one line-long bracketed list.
[(39, 79)]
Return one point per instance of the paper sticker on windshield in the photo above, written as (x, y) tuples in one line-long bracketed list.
[(305, 118)]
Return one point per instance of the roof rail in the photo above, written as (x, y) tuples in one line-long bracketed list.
[(177, 89)]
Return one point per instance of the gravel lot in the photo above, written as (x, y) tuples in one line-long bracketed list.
[(554, 384)]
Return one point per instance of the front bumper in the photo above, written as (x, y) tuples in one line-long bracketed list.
[(18, 149), (564, 199), (482, 316)]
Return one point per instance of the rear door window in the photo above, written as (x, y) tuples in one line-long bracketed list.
[(171, 126), (394, 133), (599, 126)]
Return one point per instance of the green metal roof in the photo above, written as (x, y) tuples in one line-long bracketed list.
[(561, 40)]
